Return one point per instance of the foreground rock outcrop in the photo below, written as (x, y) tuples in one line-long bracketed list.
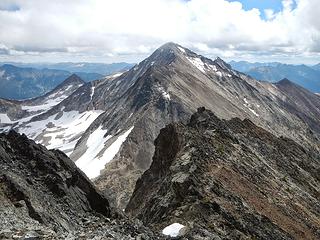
[(44, 195), (229, 180)]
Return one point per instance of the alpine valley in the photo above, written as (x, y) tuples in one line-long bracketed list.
[(186, 146)]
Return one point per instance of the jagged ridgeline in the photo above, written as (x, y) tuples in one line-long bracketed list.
[(229, 180), (108, 127), (43, 195), (209, 179)]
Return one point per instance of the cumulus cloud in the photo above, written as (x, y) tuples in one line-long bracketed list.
[(112, 30)]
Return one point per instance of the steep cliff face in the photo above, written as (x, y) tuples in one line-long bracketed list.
[(231, 180), (44, 195)]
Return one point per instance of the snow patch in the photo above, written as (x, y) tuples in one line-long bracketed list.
[(62, 133), (164, 94), (5, 119), (46, 106), (90, 163), (173, 229), (115, 75), (92, 92), (95, 144), (248, 105), (198, 63), (213, 67), (219, 73), (182, 50)]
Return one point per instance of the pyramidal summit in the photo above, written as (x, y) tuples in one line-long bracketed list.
[(179, 146)]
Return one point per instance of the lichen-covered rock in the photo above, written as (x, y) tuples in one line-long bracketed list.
[(229, 180)]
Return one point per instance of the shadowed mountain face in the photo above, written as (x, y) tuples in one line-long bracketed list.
[(229, 180), (108, 126), (301, 102), (43, 195), (43, 187)]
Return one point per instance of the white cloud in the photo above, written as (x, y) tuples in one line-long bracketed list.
[(114, 30), (270, 14)]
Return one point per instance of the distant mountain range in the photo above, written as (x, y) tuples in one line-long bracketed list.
[(85, 67), (306, 76), (245, 166), (23, 83), (167, 86), (316, 67), (28, 80), (244, 66)]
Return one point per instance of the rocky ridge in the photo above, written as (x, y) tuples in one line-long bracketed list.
[(125, 113), (173, 82), (43, 195), (229, 180)]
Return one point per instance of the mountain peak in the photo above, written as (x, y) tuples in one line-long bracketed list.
[(166, 53), (73, 79), (8, 66), (170, 45), (222, 63), (284, 82)]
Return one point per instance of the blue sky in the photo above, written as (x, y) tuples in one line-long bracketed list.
[(260, 4), (275, 5)]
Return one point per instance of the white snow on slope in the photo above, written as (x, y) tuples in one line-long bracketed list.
[(46, 106), (213, 67), (52, 100), (219, 73), (173, 229), (4, 118), (115, 75), (203, 66), (90, 163), (248, 105), (95, 144), (182, 50), (197, 62), (165, 94), (92, 92), (63, 132)]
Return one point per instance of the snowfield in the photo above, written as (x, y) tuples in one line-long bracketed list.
[(248, 105), (5, 119), (97, 155), (197, 62), (60, 132)]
